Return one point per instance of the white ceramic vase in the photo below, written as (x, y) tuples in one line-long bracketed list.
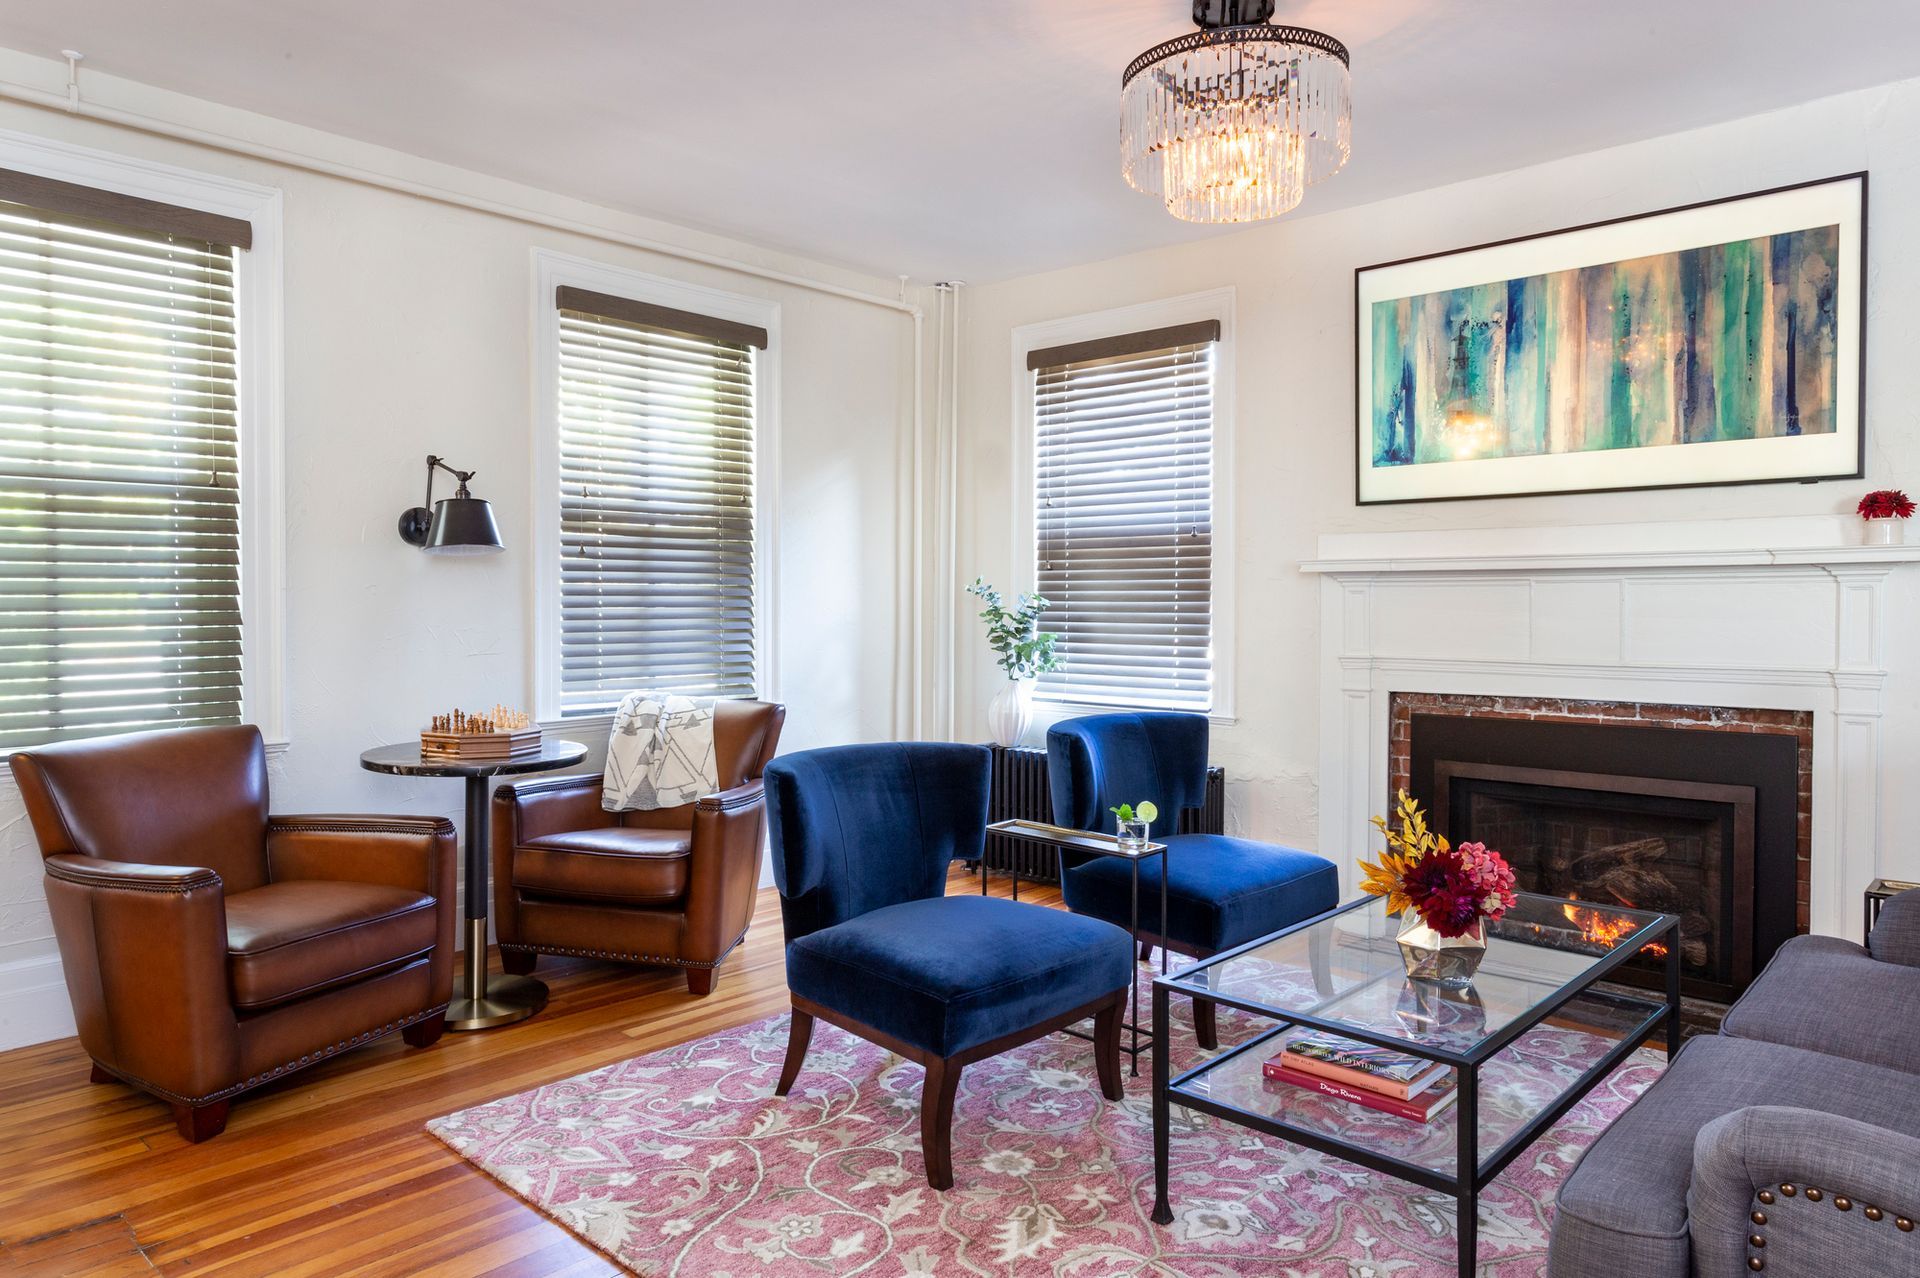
[(1885, 532), (1010, 711)]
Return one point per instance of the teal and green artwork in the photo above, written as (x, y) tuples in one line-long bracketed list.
[(1734, 342)]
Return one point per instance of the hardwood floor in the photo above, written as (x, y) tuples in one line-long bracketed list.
[(330, 1172)]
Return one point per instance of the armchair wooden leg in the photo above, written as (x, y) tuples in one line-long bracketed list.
[(101, 1076), (425, 1033), (1205, 1030), (518, 962), (700, 981), (200, 1122), (1146, 950), (799, 1034), (1106, 1049), (936, 1120)]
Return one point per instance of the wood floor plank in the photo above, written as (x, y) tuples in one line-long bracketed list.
[(331, 1171)]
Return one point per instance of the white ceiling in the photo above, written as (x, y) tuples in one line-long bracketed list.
[(965, 139)]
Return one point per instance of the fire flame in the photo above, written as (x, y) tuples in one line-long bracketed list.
[(1605, 929)]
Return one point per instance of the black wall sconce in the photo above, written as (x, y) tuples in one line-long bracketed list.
[(458, 525)]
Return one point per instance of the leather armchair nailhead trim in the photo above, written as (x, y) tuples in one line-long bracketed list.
[(311, 1058), (620, 956)]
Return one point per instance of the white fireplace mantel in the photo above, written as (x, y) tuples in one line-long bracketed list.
[(1770, 613)]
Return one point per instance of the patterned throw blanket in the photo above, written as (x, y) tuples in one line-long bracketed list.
[(660, 754)]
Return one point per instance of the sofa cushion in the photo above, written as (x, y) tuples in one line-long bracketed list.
[(952, 972), (1221, 891), (300, 936), (626, 863), (1830, 995), (1623, 1210)]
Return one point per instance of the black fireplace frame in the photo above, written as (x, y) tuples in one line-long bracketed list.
[(1738, 798), (1768, 762)]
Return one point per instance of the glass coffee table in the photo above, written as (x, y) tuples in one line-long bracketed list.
[(1341, 973)]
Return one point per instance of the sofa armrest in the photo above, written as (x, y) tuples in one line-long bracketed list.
[(1896, 934), (1855, 1191), (413, 852), (723, 873), (144, 952), (552, 805)]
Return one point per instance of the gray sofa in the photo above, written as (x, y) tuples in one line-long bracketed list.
[(1787, 1144)]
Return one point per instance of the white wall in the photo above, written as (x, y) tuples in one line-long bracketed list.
[(1293, 474), (407, 331)]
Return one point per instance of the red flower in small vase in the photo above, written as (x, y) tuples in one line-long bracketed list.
[(1886, 503)]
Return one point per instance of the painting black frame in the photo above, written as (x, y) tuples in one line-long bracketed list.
[(1361, 415)]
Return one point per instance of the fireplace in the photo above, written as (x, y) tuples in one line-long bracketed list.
[(1695, 814)]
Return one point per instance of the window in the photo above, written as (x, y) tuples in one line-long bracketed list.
[(656, 423), (120, 463), (1123, 516)]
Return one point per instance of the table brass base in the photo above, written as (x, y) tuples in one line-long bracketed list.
[(508, 999)]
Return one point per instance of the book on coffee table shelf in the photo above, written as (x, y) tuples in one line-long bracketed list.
[(1376, 1069), (1420, 1108)]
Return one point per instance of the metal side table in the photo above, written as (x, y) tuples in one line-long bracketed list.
[(1064, 840), (477, 1003)]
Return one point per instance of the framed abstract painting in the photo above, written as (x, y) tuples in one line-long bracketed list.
[(1718, 343)]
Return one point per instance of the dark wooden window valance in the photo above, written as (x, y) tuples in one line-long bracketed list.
[(606, 305), (1153, 339), (151, 216)]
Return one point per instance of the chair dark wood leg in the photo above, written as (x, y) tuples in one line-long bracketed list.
[(425, 1033), (200, 1122), (799, 1034), (101, 1076), (1106, 1049), (1205, 1032), (700, 981), (936, 1120), (1146, 950), (518, 962)]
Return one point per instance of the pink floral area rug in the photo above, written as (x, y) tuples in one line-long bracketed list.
[(683, 1163)]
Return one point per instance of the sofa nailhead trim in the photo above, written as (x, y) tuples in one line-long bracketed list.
[(1904, 1225), (1874, 1213)]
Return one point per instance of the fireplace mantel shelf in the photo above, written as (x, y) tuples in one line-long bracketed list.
[(1771, 613), (1590, 561)]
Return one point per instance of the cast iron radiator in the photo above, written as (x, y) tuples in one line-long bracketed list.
[(1020, 792)]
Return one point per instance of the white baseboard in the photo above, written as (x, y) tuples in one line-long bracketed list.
[(33, 1002)]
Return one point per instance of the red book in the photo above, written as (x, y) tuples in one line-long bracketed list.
[(1419, 1108)]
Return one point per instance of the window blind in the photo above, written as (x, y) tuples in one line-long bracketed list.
[(119, 474), (1124, 521), (656, 512)]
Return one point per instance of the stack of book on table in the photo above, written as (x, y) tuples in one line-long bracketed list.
[(1377, 1077)]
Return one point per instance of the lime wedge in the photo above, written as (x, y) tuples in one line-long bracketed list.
[(1147, 812)]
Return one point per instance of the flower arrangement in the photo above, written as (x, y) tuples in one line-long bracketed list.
[(1452, 889), (1022, 649), (1885, 503)]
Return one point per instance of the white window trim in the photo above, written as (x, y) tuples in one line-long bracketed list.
[(1214, 304), (257, 302), (550, 271)]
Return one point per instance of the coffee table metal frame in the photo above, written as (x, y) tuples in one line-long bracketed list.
[(1471, 1173), (480, 1003), (1064, 839)]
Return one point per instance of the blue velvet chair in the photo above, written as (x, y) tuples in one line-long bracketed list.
[(861, 840), (1221, 891)]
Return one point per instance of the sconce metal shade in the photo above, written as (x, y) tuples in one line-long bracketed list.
[(458, 525), (463, 526)]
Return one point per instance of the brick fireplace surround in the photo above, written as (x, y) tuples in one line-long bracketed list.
[(1402, 706)]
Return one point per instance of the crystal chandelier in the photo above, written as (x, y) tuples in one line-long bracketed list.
[(1231, 122)]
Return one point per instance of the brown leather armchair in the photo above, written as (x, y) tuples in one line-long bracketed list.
[(673, 886), (210, 947)]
